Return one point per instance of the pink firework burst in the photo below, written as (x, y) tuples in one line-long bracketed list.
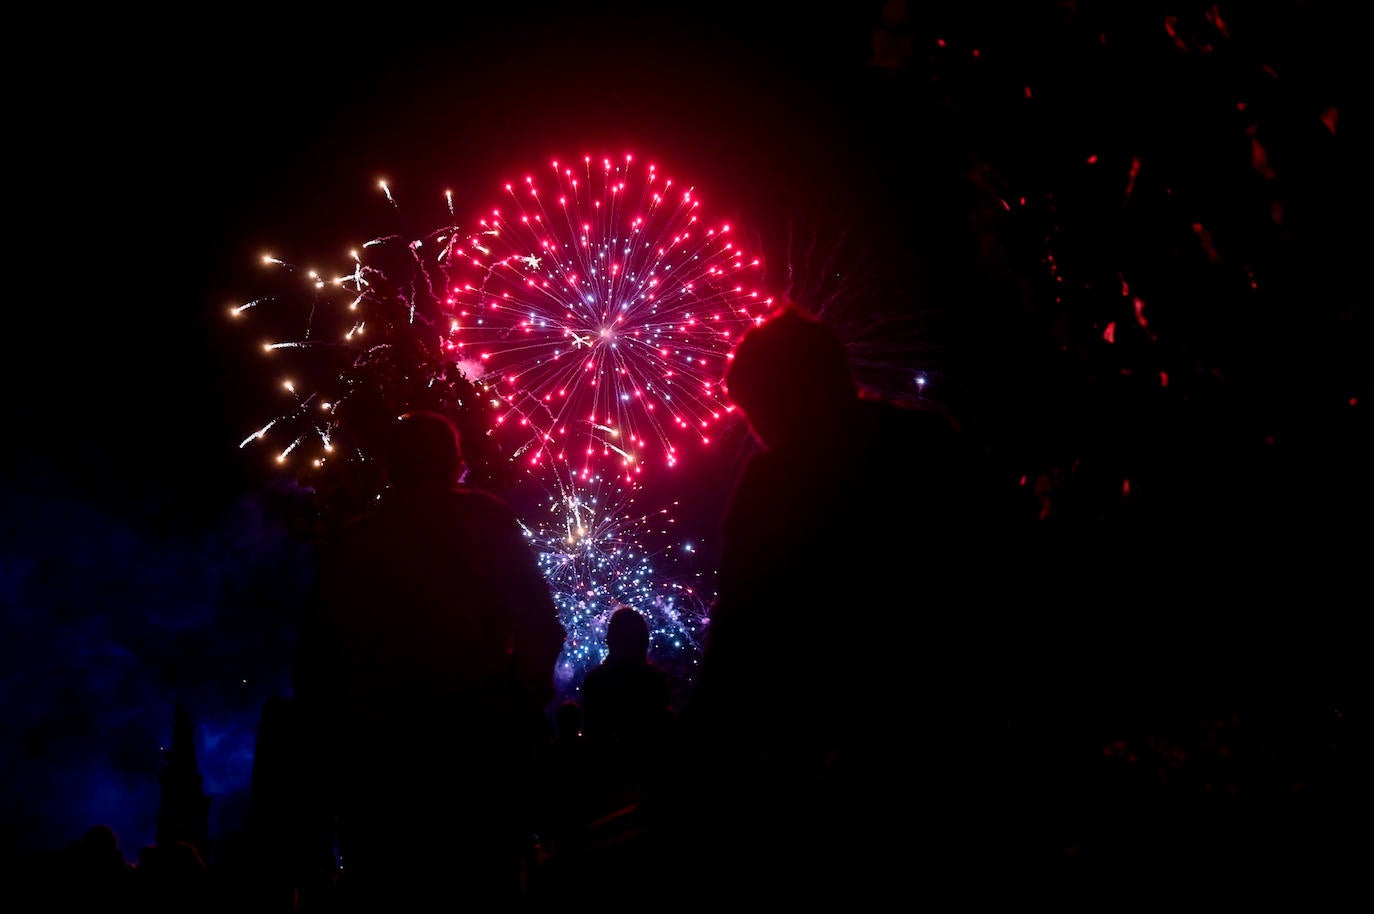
[(601, 308)]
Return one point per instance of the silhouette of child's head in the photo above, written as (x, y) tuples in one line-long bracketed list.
[(568, 719), (627, 634), (100, 846), (789, 374), (423, 451)]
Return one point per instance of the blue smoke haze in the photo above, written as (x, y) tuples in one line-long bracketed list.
[(109, 620)]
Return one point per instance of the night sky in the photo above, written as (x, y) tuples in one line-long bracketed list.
[(1124, 246)]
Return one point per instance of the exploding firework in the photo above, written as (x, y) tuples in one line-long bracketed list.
[(370, 346), (572, 344), (602, 312), (597, 326)]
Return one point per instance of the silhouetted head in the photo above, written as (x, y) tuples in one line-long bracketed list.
[(568, 719), (99, 846), (627, 634), (423, 452), (790, 374)]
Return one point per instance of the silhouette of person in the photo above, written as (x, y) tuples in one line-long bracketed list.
[(426, 667), (563, 769), (172, 877), (563, 806), (852, 547), (284, 854), (626, 707), (91, 873)]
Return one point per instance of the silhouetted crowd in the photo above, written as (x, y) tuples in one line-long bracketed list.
[(885, 712)]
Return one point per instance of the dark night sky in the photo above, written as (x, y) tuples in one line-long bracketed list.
[(145, 560)]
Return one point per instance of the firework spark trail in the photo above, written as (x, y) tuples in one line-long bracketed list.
[(236, 310), (340, 312)]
